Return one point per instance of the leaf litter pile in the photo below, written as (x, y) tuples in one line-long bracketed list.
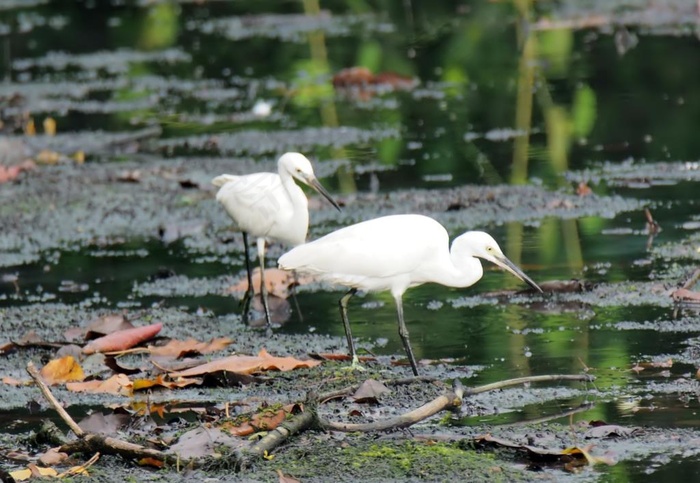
[(152, 431)]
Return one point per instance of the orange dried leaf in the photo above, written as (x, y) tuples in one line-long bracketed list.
[(117, 384), (286, 478), (65, 369), (123, 339), (263, 421), (150, 462), (32, 471), (247, 365), (11, 381), (178, 348), (141, 384)]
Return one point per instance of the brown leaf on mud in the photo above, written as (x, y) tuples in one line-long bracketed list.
[(53, 457), (247, 365), (161, 381), (150, 462), (123, 339), (32, 471), (685, 295), (10, 173), (7, 347), (65, 369), (583, 189), (11, 381), (117, 384), (266, 420), (278, 282), (286, 478), (190, 347), (370, 391)]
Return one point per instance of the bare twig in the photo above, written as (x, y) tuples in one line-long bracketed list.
[(449, 400), (34, 373), (692, 280), (273, 439), (92, 443), (108, 445), (526, 380)]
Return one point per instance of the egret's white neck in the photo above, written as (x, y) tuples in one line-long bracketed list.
[(294, 192), (463, 270)]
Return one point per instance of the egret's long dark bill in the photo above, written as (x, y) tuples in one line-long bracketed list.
[(319, 187), (513, 268)]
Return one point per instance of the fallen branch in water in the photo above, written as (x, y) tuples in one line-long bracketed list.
[(307, 419), (94, 443)]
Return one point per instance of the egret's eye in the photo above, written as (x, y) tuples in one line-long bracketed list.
[(299, 170), (489, 249)]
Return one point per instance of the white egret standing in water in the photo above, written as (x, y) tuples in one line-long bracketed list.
[(394, 253), (270, 206)]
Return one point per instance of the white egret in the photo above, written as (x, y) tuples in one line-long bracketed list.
[(394, 253), (270, 206)]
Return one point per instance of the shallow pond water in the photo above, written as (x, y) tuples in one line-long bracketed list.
[(186, 90)]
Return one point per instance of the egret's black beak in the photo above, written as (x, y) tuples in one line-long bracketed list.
[(314, 183), (506, 264)]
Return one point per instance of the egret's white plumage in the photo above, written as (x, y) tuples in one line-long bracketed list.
[(394, 253), (270, 206)]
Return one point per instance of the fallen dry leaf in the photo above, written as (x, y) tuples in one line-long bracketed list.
[(32, 471), (142, 384), (278, 282), (286, 478), (65, 369), (189, 347), (266, 420), (123, 339), (685, 295), (117, 384), (53, 457), (11, 381), (370, 391), (247, 365), (9, 173)]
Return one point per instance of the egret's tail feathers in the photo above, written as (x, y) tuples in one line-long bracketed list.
[(223, 179)]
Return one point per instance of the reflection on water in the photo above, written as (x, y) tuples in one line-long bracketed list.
[(496, 101)]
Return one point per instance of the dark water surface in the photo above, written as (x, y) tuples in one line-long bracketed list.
[(489, 108)]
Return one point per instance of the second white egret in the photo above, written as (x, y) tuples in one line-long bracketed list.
[(395, 253), (270, 206)]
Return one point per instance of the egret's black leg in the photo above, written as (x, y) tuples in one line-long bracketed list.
[(250, 292), (293, 292), (403, 332), (263, 288), (346, 323)]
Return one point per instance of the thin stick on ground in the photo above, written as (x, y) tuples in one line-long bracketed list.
[(93, 443), (526, 380), (34, 373), (450, 400)]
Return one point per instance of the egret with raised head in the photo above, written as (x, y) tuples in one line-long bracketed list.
[(395, 253), (270, 206)]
